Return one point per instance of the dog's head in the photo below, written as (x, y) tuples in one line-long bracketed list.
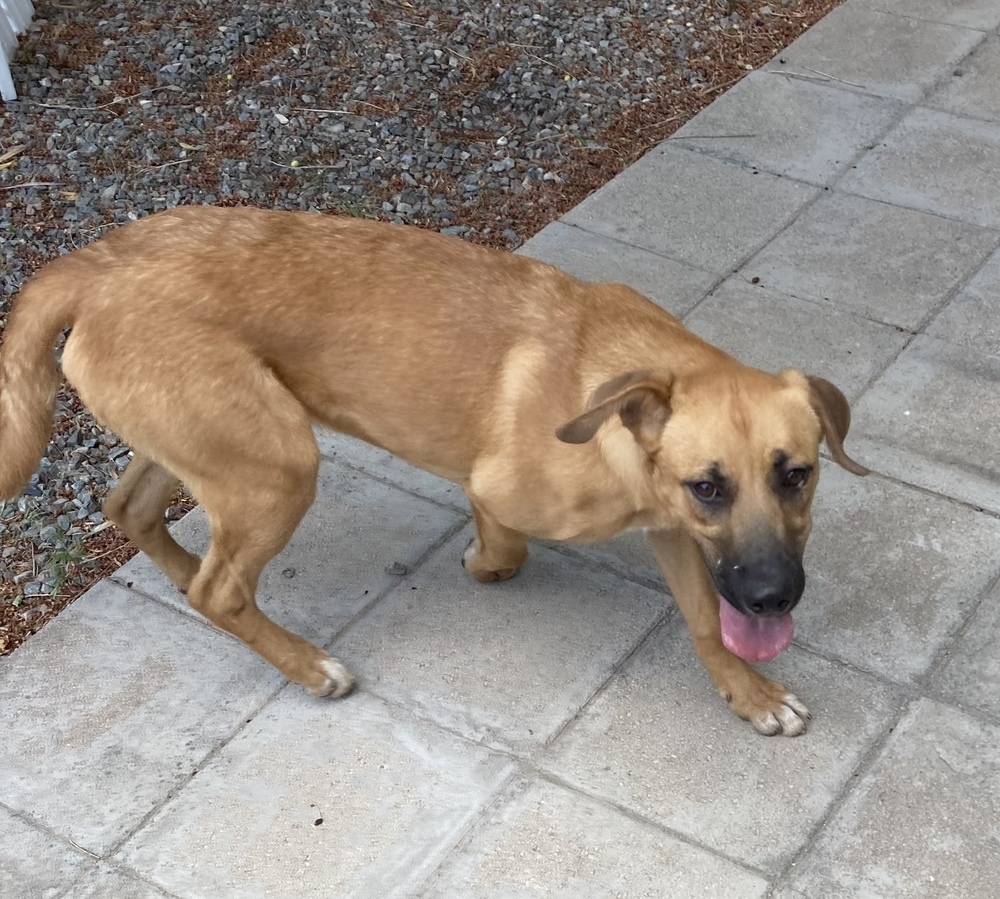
[(731, 455)]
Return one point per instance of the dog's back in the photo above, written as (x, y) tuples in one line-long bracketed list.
[(347, 314)]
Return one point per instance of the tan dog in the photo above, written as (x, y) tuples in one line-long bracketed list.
[(212, 339)]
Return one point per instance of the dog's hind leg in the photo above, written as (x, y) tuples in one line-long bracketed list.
[(497, 552), (253, 509), (137, 505)]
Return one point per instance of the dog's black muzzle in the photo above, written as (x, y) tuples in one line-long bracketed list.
[(763, 582)]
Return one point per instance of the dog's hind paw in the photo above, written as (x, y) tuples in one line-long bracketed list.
[(338, 681)]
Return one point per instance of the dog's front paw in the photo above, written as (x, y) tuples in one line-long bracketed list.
[(790, 718), (334, 680), (770, 708), (473, 562)]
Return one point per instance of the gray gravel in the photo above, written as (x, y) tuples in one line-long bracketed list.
[(469, 117)]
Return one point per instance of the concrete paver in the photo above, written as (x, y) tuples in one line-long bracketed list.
[(972, 317), (789, 126), (100, 735), (773, 331), (336, 563), (881, 261), (105, 882), (660, 742), (671, 284), (554, 735), (971, 676), (933, 419), (924, 163), (506, 664), (890, 55), (542, 839), (649, 206), (627, 554), (974, 87), (923, 822), (33, 863), (981, 14), (382, 465), (319, 798), (919, 564)]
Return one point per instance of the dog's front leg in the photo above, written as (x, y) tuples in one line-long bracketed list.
[(496, 553), (766, 704)]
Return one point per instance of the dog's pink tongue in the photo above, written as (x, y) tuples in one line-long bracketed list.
[(754, 639)]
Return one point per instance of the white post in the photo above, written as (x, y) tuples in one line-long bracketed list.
[(14, 18)]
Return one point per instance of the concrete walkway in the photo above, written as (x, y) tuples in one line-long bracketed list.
[(554, 736)]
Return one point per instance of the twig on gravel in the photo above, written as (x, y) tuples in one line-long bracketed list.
[(7, 157), (107, 552), (32, 184), (163, 165), (282, 165), (115, 102), (673, 118), (548, 62), (721, 87), (380, 109), (314, 109)]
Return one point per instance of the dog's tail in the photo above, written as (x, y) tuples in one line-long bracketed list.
[(29, 379)]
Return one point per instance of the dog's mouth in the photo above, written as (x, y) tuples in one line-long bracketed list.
[(752, 638)]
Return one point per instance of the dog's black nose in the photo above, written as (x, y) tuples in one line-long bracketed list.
[(769, 602), (765, 584)]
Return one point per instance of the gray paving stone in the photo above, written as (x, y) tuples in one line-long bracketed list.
[(116, 701), (883, 262), (387, 467), (658, 740), (674, 286), (543, 840), (347, 798), (33, 864), (701, 211), (922, 822), (972, 673), (773, 331), (981, 14), (788, 893), (789, 126), (627, 554), (933, 419), (974, 87), (336, 562), (506, 664), (892, 573), (885, 54), (925, 163), (106, 882), (972, 316)]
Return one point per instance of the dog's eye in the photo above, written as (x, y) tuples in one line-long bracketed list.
[(706, 491), (795, 477)]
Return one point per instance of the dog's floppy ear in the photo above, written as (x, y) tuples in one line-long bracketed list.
[(641, 398), (835, 417)]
